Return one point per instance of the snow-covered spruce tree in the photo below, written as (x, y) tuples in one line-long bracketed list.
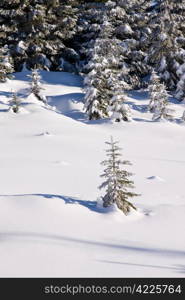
[(119, 109), (117, 180), (6, 67), (153, 89), (161, 108), (106, 74), (36, 86), (15, 103)]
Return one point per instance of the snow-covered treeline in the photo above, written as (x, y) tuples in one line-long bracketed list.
[(115, 44)]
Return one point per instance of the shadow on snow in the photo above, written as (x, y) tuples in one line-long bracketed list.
[(92, 205), (178, 268), (54, 78), (60, 239)]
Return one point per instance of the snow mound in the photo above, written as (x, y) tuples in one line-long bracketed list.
[(157, 178), (66, 104), (63, 163), (117, 215), (22, 111), (32, 99), (45, 133)]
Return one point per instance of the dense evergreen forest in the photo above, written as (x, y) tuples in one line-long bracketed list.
[(115, 44)]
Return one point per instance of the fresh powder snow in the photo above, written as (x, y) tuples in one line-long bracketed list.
[(52, 223)]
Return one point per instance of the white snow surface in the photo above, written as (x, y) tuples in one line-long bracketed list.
[(51, 224)]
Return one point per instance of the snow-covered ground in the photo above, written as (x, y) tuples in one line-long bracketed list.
[(50, 225)]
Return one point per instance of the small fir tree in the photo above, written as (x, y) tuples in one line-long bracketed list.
[(153, 89), (15, 103), (106, 73), (117, 180), (120, 110), (161, 109), (36, 86), (96, 109)]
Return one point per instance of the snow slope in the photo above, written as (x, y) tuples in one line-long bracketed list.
[(50, 223)]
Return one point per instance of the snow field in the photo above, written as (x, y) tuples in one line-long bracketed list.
[(50, 169)]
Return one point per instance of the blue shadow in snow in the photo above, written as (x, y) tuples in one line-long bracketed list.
[(178, 268), (54, 78), (139, 107), (181, 268), (4, 110), (63, 102), (6, 94), (59, 100), (23, 93), (143, 120), (174, 100), (52, 237), (91, 205), (139, 95)]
